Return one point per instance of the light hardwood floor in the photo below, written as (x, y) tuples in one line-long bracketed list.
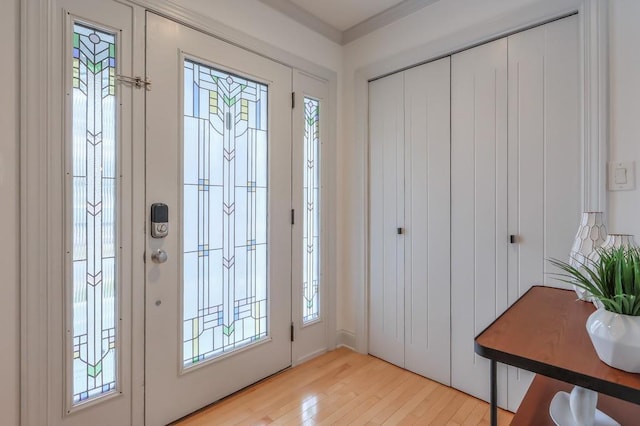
[(344, 387)]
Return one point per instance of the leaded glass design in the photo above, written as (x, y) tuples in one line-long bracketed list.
[(311, 209), (224, 213), (94, 213)]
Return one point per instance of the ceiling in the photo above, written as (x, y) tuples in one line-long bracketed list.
[(344, 14), (346, 20)]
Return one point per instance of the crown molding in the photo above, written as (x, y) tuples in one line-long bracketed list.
[(384, 18), (305, 18), (361, 29)]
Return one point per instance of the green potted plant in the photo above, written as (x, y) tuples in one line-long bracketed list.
[(613, 279)]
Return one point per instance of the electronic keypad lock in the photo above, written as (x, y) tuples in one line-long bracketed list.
[(159, 220)]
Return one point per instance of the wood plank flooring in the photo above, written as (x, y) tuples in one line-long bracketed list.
[(344, 387)]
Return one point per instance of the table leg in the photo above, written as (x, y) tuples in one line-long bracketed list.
[(494, 393)]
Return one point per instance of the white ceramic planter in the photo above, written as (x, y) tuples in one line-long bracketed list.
[(616, 339), (591, 235), (613, 241)]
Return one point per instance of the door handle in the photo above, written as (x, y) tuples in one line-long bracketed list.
[(159, 256)]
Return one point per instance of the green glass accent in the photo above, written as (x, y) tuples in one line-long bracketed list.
[(311, 220), (112, 50), (94, 68), (94, 370), (235, 110), (94, 306), (228, 331), (229, 101)]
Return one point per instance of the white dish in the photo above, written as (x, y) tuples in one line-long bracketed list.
[(561, 413)]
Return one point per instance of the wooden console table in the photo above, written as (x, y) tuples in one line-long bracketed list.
[(544, 332)]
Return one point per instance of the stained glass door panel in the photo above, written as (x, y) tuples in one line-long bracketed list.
[(225, 212), (218, 313)]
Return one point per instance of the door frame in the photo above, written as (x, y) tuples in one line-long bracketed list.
[(594, 65), (39, 129)]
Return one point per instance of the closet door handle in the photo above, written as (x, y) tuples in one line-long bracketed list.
[(513, 239), (400, 231)]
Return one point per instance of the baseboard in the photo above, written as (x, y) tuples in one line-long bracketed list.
[(309, 356), (345, 338)]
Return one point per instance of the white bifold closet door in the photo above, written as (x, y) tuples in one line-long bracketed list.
[(409, 160), (544, 160), (479, 230), (516, 171)]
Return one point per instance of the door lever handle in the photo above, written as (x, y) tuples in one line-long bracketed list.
[(159, 256)]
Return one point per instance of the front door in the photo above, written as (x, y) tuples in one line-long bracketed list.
[(218, 156)]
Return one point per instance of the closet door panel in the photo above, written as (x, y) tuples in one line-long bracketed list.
[(544, 153), (386, 214), (563, 147), (526, 177), (478, 209), (427, 214)]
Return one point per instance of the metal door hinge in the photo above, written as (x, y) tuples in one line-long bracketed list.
[(138, 82), (292, 331), (293, 217), (293, 100)]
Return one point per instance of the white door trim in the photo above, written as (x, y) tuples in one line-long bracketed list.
[(594, 50), (592, 15), (34, 109), (38, 127)]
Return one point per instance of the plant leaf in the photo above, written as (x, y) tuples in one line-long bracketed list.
[(614, 278)]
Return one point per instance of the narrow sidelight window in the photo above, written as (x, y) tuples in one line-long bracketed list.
[(93, 296), (311, 212)]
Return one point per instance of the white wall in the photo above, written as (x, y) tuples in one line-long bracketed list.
[(624, 72), (9, 211)]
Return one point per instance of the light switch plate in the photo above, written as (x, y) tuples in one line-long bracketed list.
[(622, 175)]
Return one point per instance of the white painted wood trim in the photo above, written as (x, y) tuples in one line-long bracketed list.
[(307, 19), (34, 108), (361, 125), (594, 32), (346, 339), (308, 357), (394, 13), (331, 200), (594, 73), (358, 30), (138, 223)]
